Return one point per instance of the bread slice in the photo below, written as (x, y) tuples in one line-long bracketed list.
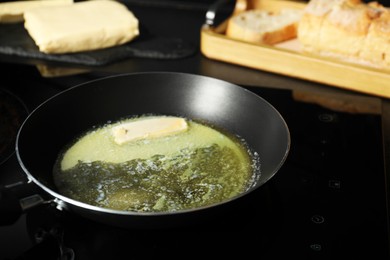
[(82, 26), (264, 27)]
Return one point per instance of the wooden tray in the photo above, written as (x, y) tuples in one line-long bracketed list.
[(287, 59)]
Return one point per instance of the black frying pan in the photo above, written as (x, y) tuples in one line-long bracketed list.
[(63, 117)]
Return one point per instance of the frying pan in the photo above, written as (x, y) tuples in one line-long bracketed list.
[(61, 118)]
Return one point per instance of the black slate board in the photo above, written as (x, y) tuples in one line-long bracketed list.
[(15, 41)]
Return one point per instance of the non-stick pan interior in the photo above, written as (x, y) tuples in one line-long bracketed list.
[(60, 119)]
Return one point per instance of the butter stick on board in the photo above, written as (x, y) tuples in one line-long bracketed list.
[(82, 26), (12, 12)]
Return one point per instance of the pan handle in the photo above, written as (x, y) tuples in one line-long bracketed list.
[(14, 201), (211, 14)]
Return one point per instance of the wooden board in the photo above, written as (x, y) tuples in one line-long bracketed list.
[(287, 58)]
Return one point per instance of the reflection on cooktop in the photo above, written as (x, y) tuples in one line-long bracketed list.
[(12, 113)]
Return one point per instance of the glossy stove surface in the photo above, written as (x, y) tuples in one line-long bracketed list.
[(328, 201)]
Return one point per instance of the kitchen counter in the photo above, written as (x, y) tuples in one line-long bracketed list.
[(184, 21)]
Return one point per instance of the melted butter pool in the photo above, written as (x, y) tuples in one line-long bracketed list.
[(195, 168)]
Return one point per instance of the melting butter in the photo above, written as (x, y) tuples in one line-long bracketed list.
[(148, 128), (184, 169)]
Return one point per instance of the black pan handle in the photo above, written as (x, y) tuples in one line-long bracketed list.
[(14, 201), (223, 7)]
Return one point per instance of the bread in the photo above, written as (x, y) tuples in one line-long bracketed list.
[(82, 26), (264, 27), (376, 47), (347, 29), (12, 12)]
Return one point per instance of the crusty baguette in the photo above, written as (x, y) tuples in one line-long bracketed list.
[(260, 26), (376, 47), (311, 23), (347, 29), (82, 26)]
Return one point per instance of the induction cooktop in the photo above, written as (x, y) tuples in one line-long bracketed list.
[(328, 200)]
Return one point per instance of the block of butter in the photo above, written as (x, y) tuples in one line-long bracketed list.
[(11, 12), (148, 128), (82, 26)]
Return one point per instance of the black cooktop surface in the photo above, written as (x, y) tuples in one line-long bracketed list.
[(328, 201)]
